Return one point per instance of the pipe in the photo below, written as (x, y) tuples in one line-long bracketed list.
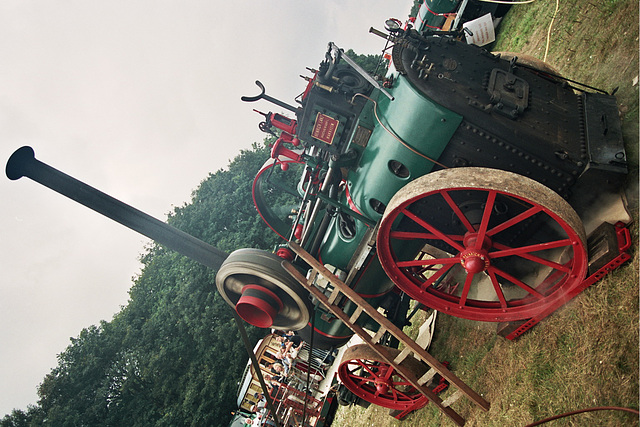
[(339, 53), (23, 163)]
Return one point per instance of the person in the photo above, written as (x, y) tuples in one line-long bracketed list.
[(278, 372), (267, 421), (272, 385), (261, 411), (291, 344), (259, 421), (286, 360), (262, 402), (276, 368), (262, 421), (295, 340)]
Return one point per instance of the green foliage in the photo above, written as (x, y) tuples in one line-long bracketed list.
[(222, 211), (18, 418), (370, 63), (172, 356)]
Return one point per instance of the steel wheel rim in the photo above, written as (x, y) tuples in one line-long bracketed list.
[(246, 268), (446, 282), (375, 381)]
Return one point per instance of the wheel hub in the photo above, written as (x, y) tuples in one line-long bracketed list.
[(382, 388), (258, 306), (475, 260), (382, 384)]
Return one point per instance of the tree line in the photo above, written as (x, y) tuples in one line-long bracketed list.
[(172, 356)]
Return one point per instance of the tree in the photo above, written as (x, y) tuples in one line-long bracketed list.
[(18, 418), (172, 356), (372, 64)]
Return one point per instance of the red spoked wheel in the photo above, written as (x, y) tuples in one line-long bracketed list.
[(364, 373), (482, 244)]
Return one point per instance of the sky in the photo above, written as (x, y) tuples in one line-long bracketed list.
[(140, 99)]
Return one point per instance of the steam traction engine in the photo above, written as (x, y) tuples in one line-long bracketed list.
[(461, 180), (462, 183)]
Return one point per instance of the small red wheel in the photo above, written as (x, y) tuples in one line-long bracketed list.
[(375, 381), (482, 244)]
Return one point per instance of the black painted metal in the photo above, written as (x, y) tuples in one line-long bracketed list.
[(524, 121), (23, 163)]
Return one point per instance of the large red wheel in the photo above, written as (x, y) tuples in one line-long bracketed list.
[(375, 381), (482, 244)]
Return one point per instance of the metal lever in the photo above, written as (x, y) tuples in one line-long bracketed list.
[(268, 98)]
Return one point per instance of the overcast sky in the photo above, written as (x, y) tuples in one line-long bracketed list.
[(140, 99)]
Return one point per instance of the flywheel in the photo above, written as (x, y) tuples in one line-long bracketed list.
[(262, 292)]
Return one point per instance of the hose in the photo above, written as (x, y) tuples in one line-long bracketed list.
[(508, 2), (598, 408), (546, 50)]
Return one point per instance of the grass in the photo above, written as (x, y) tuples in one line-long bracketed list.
[(586, 353)]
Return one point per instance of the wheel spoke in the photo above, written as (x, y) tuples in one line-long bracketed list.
[(412, 235), (430, 281), (517, 282), (553, 278), (365, 366), (484, 224), (424, 262), (498, 289), (515, 220), (524, 253), (359, 377), (388, 374), (456, 209), (435, 231), (399, 394), (466, 288), (527, 249)]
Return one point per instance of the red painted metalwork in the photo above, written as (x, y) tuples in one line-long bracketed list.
[(290, 406), (377, 382), (350, 201), (258, 305), (442, 386), (285, 124), (451, 277), (285, 253), (423, 22), (310, 84), (279, 150), (266, 216), (624, 243)]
